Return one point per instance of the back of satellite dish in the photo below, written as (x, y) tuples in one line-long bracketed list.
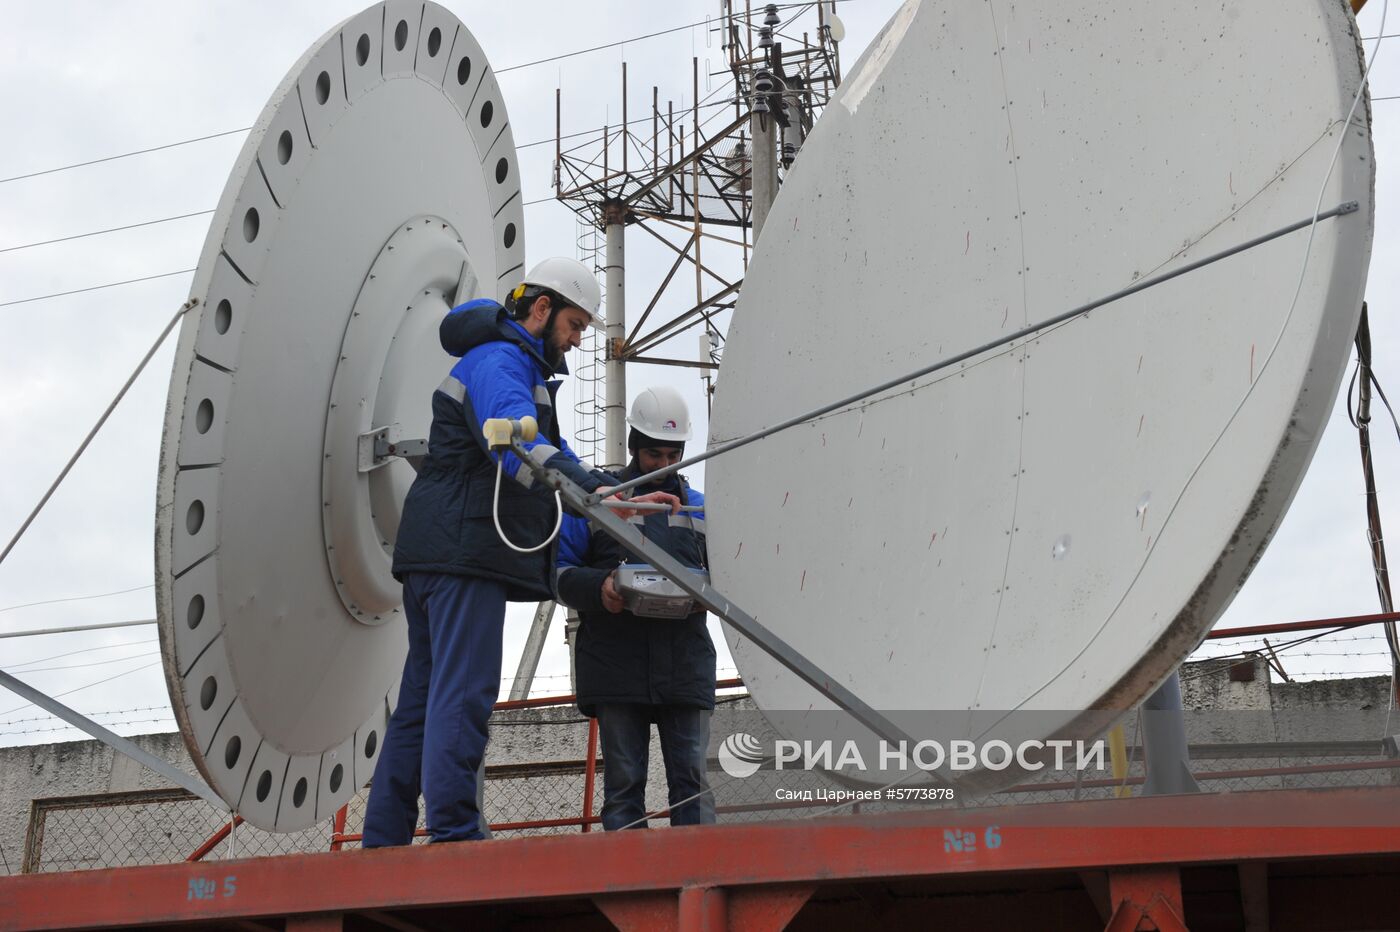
[(346, 231)]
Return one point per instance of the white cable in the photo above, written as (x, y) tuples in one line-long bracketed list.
[(496, 515)]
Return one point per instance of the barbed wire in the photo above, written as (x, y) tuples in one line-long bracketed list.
[(1339, 674), (46, 716), (66, 727)]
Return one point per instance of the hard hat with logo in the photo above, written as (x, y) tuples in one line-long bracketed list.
[(661, 414), (571, 280)]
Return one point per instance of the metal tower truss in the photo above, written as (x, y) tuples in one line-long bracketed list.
[(679, 173)]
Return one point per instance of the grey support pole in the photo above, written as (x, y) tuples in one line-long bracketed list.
[(1168, 760), (648, 552), (530, 656), (765, 168), (615, 377)]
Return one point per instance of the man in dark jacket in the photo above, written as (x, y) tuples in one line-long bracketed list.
[(458, 565), (632, 671)]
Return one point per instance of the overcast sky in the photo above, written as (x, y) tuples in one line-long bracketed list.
[(91, 80)]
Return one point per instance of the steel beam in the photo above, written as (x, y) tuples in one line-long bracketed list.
[(534, 647), (113, 740)]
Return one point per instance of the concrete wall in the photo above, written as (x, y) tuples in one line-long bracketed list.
[(170, 831), (73, 768)]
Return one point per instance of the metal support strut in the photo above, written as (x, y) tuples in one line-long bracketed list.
[(648, 552), (115, 741)]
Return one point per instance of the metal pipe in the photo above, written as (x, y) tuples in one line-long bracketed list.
[(649, 506), (338, 826), (534, 647), (647, 551), (695, 178), (1168, 759), (1348, 208), (615, 376), (590, 772), (1351, 621), (1374, 531), (506, 705), (34, 632)]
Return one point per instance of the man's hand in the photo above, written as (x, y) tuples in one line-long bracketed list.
[(612, 601), (619, 507)]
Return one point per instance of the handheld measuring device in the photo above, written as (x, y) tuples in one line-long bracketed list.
[(649, 593)]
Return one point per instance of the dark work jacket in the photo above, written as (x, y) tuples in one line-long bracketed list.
[(623, 658), (447, 524)]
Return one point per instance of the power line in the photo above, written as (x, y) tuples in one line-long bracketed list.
[(77, 598), (528, 64), (202, 213), (25, 668), (129, 226), (541, 61), (61, 294), (123, 155), (86, 650), (109, 679), (599, 48)]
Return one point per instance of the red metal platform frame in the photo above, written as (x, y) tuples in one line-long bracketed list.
[(1003, 867)]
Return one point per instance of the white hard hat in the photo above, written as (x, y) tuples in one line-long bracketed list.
[(571, 280), (661, 414)]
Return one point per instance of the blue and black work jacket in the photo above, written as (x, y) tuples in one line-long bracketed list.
[(623, 658), (447, 524)]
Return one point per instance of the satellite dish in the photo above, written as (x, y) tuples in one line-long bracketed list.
[(379, 185), (835, 28), (1055, 525)]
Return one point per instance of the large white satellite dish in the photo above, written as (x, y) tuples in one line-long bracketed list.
[(1053, 526), (379, 183)]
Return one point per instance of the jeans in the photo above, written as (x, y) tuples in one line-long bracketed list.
[(436, 739), (625, 735)]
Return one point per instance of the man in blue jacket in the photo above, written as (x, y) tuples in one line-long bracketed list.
[(458, 570), (632, 671)]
